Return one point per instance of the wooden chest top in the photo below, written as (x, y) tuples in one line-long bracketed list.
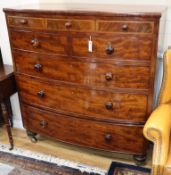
[(90, 9)]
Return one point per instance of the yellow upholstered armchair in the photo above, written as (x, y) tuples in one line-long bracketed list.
[(158, 127)]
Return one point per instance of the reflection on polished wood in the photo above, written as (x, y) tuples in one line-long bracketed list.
[(98, 97)]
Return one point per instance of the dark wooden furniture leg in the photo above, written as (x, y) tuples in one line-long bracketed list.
[(1, 117), (7, 122), (9, 109)]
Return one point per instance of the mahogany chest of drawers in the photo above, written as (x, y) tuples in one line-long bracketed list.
[(85, 77)]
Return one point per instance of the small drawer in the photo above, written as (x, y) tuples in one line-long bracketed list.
[(124, 26), (90, 103), (113, 46), (25, 22), (70, 24), (93, 134), (95, 74), (39, 42)]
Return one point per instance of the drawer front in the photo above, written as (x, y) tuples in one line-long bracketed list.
[(25, 22), (84, 73), (70, 24), (114, 46), (124, 26), (39, 42), (85, 102), (85, 132)]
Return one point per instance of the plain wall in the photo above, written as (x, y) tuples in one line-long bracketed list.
[(110, 1)]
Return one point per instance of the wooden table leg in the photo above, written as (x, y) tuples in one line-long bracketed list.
[(7, 122), (1, 117), (8, 104)]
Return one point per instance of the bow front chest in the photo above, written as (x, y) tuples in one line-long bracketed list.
[(85, 77)]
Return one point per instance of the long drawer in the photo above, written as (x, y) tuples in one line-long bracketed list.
[(103, 105), (83, 73), (89, 133), (125, 47)]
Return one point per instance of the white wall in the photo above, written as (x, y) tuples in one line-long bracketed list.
[(165, 33), (110, 1), (6, 53)]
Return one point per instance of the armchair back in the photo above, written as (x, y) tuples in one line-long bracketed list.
[(165, 91)]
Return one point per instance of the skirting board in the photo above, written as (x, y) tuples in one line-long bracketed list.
[(17, 123)]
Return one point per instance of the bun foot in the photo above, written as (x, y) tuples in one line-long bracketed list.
[(139, 159), (33, 139), (11, 148), (32, 136)]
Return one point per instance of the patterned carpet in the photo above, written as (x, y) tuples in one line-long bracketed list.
[(117, 168), (18, 165), (25, 161)]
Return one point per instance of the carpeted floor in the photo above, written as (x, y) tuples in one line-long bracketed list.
[(117, 168), (18, 165)]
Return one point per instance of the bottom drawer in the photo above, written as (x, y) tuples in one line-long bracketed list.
[(94, 134)]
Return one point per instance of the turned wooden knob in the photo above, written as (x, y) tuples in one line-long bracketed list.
[(109, 105), (41, 93), (23, 21), (35, 42), (108, 137), (38, 67), (43, 123), (109, 49), (125, 27), (68, 24), (109, 76)]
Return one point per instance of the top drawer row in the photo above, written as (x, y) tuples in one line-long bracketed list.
[(83, 25)]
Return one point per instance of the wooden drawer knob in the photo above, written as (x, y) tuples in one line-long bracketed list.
[(35, 42), (109, 49), (125, 27), (108, 137), (41, 93), (38, 67), (23, 21), (43, 123), (109, 76), (68, 24), (109, 105)]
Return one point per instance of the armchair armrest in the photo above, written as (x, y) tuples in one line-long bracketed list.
[(157, 130)]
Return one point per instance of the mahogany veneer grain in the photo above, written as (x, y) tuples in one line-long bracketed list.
[(98, 99)]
